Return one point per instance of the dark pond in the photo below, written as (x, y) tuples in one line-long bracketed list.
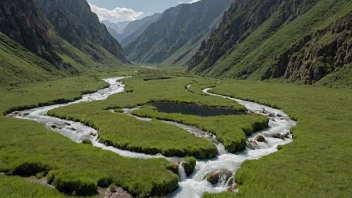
[(193, 109)]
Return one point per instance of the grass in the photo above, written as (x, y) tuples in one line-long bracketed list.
[(14, 187), (28, 148), (316, 163), (255, 55), (128, 133), (19, 65), (141, 136), (231, 130)]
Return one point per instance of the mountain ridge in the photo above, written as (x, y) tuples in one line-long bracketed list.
[(290, 42), (32, 50), (174, 29)]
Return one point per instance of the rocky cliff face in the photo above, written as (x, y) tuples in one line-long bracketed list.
[(21, 21), (242, 18), (297, 40), (186, 23), (75, 22), (316, 55)]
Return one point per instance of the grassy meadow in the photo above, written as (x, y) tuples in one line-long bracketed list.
[(154, 137), (230, 130), (317, 163), (28, 148)]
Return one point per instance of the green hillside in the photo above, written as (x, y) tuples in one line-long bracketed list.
[(302, 41)]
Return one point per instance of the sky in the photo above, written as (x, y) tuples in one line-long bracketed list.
[(130, 10)]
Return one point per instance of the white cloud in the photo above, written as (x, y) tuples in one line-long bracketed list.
[(189, 1), (117, 14)]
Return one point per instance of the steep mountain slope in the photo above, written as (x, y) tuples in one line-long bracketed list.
[(30, 49), (78, 25), (301, 40), (32, 33), (115, 34), (186, 24), (134, 29)]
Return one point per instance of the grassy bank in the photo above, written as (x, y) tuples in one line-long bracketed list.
[(231, 130), (14, 187), (28, 148), (317, 163), (125, 132)]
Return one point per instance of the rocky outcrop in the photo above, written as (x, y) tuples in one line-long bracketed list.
[(239, 21), (176, 32), (316, 55), (75, 22), (21, 21)]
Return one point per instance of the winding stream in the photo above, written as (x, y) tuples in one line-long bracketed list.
[(279, 123), (196, 184)]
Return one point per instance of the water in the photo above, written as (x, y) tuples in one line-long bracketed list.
[(194, 130), (182, 172), (77, 131), (197, 185)]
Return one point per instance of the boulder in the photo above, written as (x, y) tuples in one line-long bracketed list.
[(260, 138), (279, 136), (216, 176), (93, 133), (271, 115), (263, 111)]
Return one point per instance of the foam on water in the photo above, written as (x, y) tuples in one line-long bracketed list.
[(279, 123)]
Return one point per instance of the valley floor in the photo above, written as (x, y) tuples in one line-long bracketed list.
[(316, 164)]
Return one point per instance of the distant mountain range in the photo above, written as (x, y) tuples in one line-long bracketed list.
[(118, 27), (61, 38), (126, 32), (177, 34), (136, 28)]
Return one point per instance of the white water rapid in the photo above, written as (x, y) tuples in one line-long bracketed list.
[(279, 123)]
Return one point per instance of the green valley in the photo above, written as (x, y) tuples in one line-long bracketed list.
[(227, 98)]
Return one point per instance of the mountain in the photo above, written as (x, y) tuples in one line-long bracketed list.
[(32, 50), (26, 47), (135, 28), (115, 34), (77, 24), (174, 36), (306, 41), (118, 27)]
